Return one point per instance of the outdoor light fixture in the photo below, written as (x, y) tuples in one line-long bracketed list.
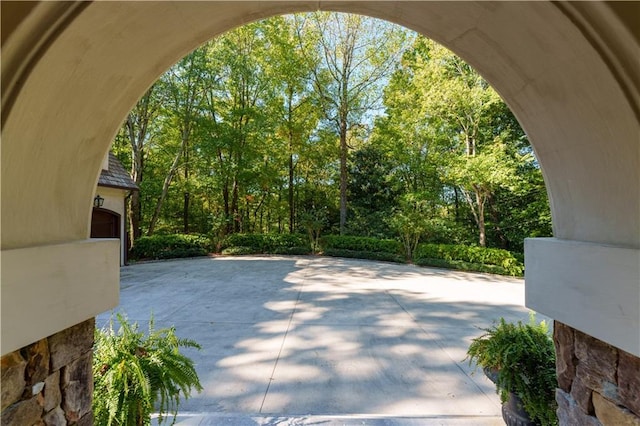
[(98, 201)]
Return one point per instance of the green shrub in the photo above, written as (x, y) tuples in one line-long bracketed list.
[(170, 246), (135, 374), (266, 243), (292, 250), (361, 244), (371, 255), (252, 241), (239, 250), (469, 258), (463, 266), (523, 355)]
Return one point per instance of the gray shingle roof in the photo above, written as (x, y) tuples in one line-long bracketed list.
[(116, 176)]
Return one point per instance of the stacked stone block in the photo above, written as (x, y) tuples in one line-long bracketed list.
[(50, 382), (598, 384)]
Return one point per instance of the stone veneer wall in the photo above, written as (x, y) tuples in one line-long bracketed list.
[(598, 384), (50, 382)]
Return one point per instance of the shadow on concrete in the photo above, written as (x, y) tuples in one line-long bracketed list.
[(289, 336)]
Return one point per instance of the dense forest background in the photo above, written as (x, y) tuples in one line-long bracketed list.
[(329, 123)]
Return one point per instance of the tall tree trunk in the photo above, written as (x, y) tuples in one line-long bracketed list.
[(344, 122), (495, 216), (137, 126), (135, 207), (343, 179), (135, 214), (185, 210), (292, 210), (227, 209), (165, 189), (279, 214), (476, 205), (291, 165), (457, 204), (247, 226), (225, 197), (185, 213), (482, 239), (235, 208)]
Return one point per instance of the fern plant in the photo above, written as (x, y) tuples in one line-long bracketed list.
[(135, 374), (523, 356)]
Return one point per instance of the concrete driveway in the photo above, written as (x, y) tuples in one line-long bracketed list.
[(315, 340)]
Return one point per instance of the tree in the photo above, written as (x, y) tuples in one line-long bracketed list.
[(274, 123), (138, 131), (455, 143), (406, 139), (458, 104), (239, 103), (358, 54), (373, 189), (183, 88), (411, 221), (478, 176), (298, 117)]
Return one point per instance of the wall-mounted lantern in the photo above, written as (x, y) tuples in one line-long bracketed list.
[(98, 201)]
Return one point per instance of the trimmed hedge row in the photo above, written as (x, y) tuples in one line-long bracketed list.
[(170, 246), (371, 255), (466, 266), (469, 258), (266, 243), (361, 244)]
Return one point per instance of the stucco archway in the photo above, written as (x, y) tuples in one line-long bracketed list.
[(569, 71)]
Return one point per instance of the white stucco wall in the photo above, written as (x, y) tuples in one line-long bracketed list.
[(114, 200)]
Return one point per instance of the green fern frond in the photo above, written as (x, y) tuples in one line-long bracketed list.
[(524, 356), (134, 373)]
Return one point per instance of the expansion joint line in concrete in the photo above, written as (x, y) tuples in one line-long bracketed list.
[(284, 338), (436, 340)]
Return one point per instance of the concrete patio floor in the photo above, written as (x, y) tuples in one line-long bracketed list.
[(316, 340)]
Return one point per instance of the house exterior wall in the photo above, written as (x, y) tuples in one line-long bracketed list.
[(114, 200)]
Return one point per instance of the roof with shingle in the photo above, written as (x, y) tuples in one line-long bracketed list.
[(116, 176)]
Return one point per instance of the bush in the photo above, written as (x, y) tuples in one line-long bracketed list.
[(266, 243), (371, 255), (471, 258), (361, 244), (466, 258), (362, 248), (523, 355), (463, 266), (239, 250), (292, 250), (135, 374), (170, 246)]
